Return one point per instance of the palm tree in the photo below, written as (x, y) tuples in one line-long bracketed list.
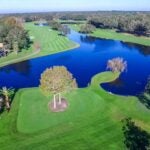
[(7, 93)]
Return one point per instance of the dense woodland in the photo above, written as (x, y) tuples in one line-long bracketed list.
[(138, 23)]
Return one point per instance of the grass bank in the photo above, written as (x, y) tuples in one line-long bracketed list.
[(112, 34), (51, 42), (92, 120)]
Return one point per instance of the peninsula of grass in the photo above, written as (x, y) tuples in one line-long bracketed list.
[(50, 41), (92, 120), (112, 34)]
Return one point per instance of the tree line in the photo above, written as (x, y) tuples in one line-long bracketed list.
[(131, 23), (123, 21)]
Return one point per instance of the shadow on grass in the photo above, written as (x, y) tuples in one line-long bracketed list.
[(144, 100), (144, 97), (135, 137)]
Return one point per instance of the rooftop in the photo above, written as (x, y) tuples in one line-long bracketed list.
[(1, 45)]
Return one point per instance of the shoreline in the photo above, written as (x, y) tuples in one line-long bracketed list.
[(35, 55)]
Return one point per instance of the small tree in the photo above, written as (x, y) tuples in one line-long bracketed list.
[(7, 93), (56, 80), (87, 28), (55, 25), (117, 65), (64, 30)]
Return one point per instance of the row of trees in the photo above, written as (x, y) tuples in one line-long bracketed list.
[(13, 35), (132, 22)]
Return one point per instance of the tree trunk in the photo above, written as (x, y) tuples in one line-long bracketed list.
[(7, 103), (59, 98), (54, 101)]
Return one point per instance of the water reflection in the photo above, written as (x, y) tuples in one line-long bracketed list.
[(21, 68), (87, 39), (144, 50), (117, 83)]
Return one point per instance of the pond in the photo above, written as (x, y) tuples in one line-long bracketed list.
[(84, 62)]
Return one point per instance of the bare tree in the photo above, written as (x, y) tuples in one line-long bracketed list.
[(117, 65)]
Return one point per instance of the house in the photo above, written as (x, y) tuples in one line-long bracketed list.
[(1, 46)]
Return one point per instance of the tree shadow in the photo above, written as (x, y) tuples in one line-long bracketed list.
[(135, 137), (144, 99)]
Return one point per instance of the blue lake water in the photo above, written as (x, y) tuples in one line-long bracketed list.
[(84, 62)]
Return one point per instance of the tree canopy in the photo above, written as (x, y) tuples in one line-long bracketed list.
[(117, 65), (57, 79)]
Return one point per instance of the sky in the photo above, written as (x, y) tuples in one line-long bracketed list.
[(16, 6)]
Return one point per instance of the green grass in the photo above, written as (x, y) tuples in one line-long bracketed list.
[(112, 34), (91, 122), (50, 41), (75, 27)]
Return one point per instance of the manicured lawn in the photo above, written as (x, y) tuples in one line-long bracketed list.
[(112, 34), (91, 122), (50, 41), (75, 27)]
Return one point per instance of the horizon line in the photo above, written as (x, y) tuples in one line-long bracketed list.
[(28, 12)]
